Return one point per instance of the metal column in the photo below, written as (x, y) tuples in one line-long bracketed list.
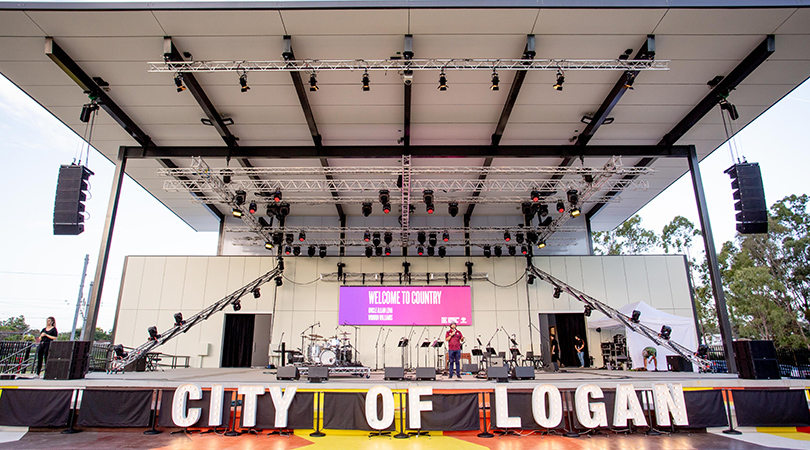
[(589, 234), (88, 331), (711, 258)]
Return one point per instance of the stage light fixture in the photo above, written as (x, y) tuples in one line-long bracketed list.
[(573, 197), (431, 251), (388, 237), (442, 251), (257, 293), (378, 251), (369, 251), (588, 178), (376, 239), (268, 245), (119, 351), (239, 197), (512, 250), (557, 292), (385, 196), (520, 237), (283, 210), (279, 281), (430, 208), (446, 236), (366, 209), (530, 279), (386, 208), (541, 244), (302, 236), (226, 175), (243, 83), (278, 237), (506, 236), (367, 236), (288, 238), (322, 251), (420, 250), (498, 251), (387, 251), (542, 210), (560, 207), (252, 208), (546, 222), (588, 309), (575, 211), (524, 249), (535, 195), (487, 251), (495, 81), (531, 236), (313, 82), (528, 210), (178, 319), (469, 265), (666, 332), (442, 81), (635, 315), (277, 196), (311, 251), (236, 212), (153, 333), (178, 82), (288, 250), (366, 82), (297, 250), (452, 209), (560, 80), (421, 237), (432, 239), (427, 196)]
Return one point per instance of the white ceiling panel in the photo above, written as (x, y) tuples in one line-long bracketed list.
[(97, 23), (346, 22), (220, 23), (483, 21), (597, 22), (17, 23)]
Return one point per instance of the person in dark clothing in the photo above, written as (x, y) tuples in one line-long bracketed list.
[(47, 335), (555, 352), (454, 340), (579, 345)]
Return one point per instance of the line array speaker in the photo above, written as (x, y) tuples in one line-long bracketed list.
[(746, 181), (71, 193)]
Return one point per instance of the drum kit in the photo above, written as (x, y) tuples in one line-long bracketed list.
[(329, 351)]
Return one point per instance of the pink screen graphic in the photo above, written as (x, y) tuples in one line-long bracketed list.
[(400, 305)]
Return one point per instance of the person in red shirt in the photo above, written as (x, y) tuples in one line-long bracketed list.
[(454, 340)]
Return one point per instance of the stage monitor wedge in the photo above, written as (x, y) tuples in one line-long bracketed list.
[(317, 374), (523, 373), (469, 368), (425, 374), (394, 373), (498, 373), (287, 373)]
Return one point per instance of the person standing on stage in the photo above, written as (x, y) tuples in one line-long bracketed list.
[(579, 345), (454, 340), (47, 335), (555, 353)]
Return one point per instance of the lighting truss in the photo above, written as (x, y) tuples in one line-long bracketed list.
[(357, 200), (399, 277), (315, 65), (405, 221), (249, 241), (454, 231), (614, 314)]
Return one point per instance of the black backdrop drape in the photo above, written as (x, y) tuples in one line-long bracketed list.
[(568, 326), (237, 348)]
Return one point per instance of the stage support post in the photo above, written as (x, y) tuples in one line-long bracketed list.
[(317, 432), (484, 402), (153, 414), (730, 430), (88, 331), (711, 258), (402, 434), (589, 234)]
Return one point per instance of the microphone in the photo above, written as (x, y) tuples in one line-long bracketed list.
[(318, 324)]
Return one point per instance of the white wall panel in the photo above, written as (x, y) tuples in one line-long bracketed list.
[(152, 283), (171, 294), (660, 288)]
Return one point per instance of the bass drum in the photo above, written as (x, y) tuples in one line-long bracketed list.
[(346, 356), (327, 358)]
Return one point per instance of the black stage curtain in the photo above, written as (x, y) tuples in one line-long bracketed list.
[(451, 412), (237, 348), (299, 416), (520, 405), (35, 407), (776, 408), (568, 326), (165, 416), (110, 408), (347, 411), (705, 409)]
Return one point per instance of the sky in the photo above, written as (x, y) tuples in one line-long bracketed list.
[(40, 273)]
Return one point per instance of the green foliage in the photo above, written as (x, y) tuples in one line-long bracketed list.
[(14, 324), (101, 335), (629, 238)]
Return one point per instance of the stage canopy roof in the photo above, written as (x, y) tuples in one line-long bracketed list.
[(758, 48)]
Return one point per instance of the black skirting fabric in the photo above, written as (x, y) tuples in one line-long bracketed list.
[(35, 407), (520, 405), (771, 408), (299, 416), (165, 416), (347, 411), (451, 412), (111, 408), (705, 409)]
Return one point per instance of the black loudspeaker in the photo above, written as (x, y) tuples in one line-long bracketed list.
[(287, 373), (425, 373), (499, 373), (139, 365), (744, 349), (469, 368), (523, 373), (746, 181), (71, 188), (677, 363), (758, 369), (394, 373), (317, 374), (67, 360)]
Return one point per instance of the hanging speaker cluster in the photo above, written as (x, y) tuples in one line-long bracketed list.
[(749, 196)]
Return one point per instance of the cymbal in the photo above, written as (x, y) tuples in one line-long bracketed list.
[(315, 336), (345, 333)]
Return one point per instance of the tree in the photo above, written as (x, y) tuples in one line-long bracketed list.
[(100, 335), (678, 234), (14, 324), (627, 239)]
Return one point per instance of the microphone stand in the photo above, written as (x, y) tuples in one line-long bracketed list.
[(436, 346), (410, 350), (418, 343), (376, 351), (385, 340), (356, 336), (540, 333)]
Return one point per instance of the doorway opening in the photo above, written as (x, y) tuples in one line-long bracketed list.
[(565, 327), (246, 340)]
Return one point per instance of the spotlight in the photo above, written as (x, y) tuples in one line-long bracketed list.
[(178, 319), (588, 178), (498, 251), (512, 250), (387, 251), (239, 197), (420, 250), (322, 251), (506, 236), (313, 82), (452, 208), (386, 208), (268, 245), (542, 210), (257, 293), (367, 236), (495, 81), (288, 250), (432, 239), (277, 238), (388, 237), (635, 316), (442, 81), (421, 237), (442, 251), (378, 251), (557, 292), (560, 207), (666, 332), (153, 334), (252, 208), (528, 210), (311, 251), (541, 244), (376, 239), (243, 83), (226, 175), (366, 82), (588, 309), (340, 267), (366, 209), (429, 208), (560, 80), (524, 250), (279, 281), (302, 236), (178, 81), (519, 238), (575, 211), (573, 197), (530, 279), (236, 212), (283, 210), (272, 210), (531, 236), (535, 195), (431, 251), (119, 351), (445, 236), (385, 196), (297, 250), (277, 196), (288, 238), (487, 251), (369, 251), (427, 196), (469, 265)]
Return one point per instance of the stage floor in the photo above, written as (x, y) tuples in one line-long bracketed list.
[(566, 378)]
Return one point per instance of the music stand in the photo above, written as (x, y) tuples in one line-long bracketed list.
[(425, 344), (403, 345), (437, 344), (515, 353), (479, 353)]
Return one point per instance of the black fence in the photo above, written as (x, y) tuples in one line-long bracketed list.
[(793, 363)]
